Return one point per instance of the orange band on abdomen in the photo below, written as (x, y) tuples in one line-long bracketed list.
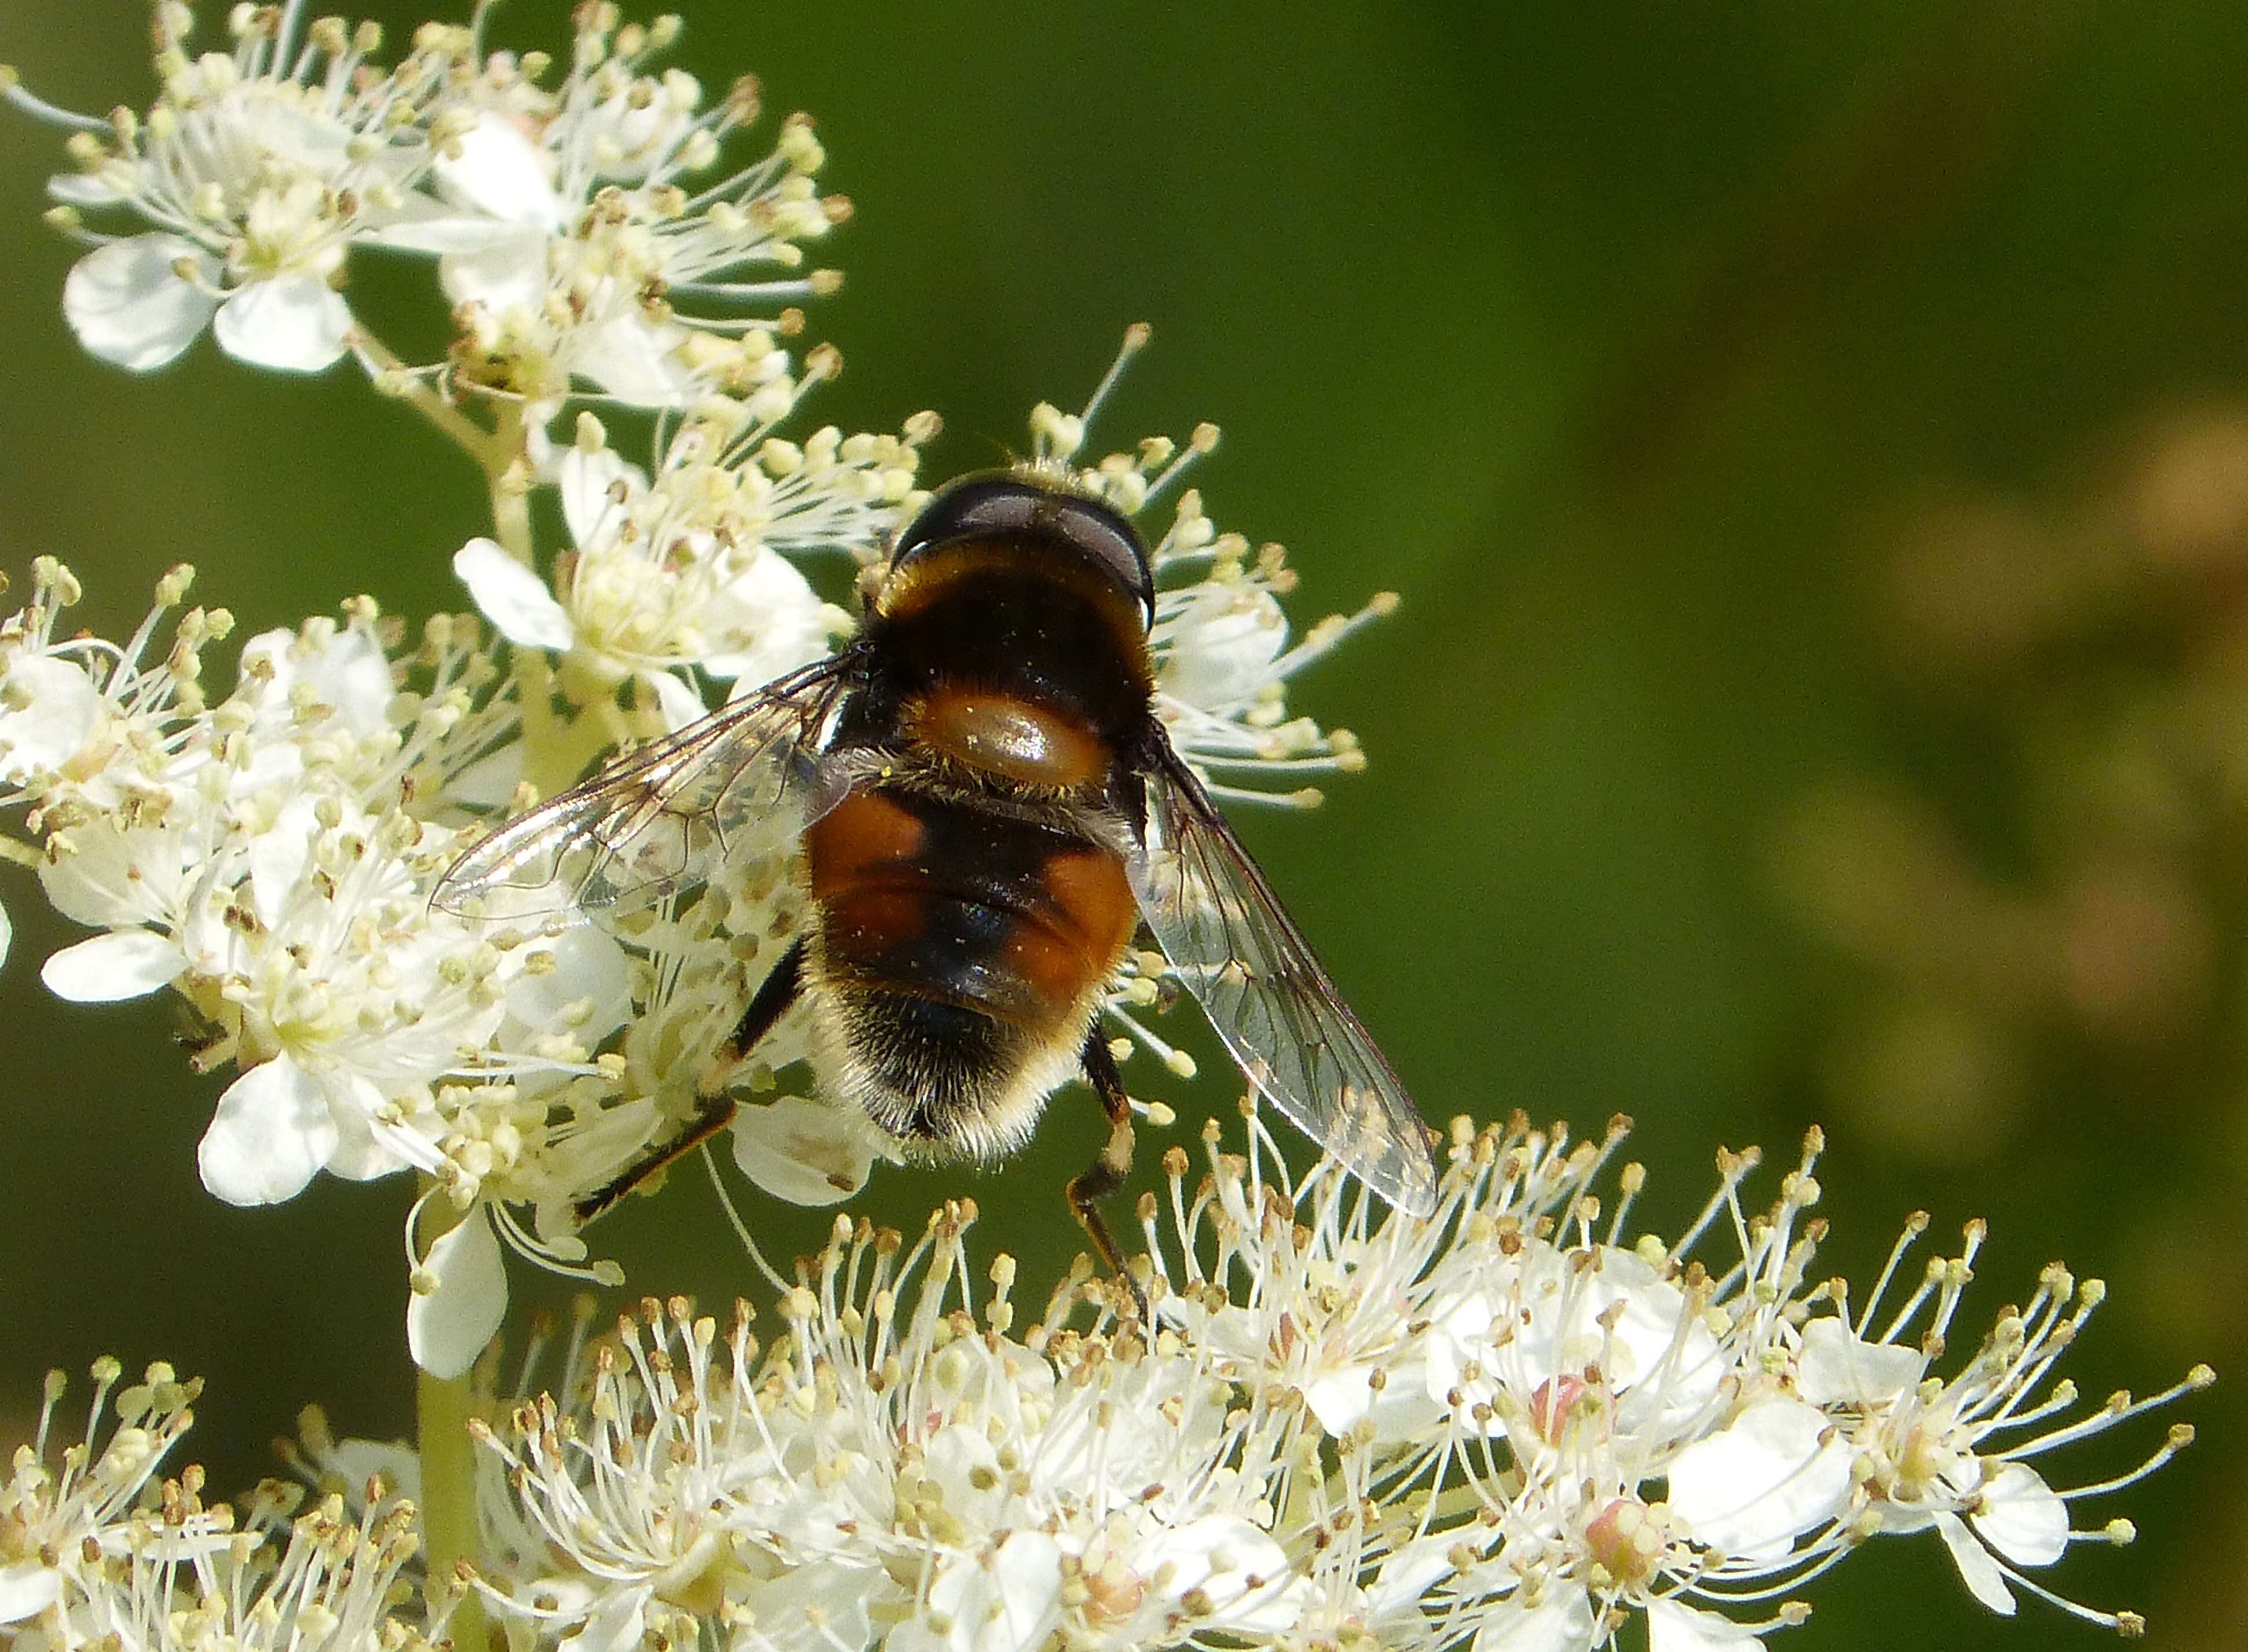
[(1003, 735)]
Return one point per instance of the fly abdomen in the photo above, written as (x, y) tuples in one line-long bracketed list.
[(943, 899), (962, 951)]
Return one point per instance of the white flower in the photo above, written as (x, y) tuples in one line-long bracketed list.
[(912, 1466), (271, 858), (1071, 1481), (96, 1550), (259, 856), (915, 1462), (692, 571), (1953, 1453), (595, 234), (68, 1509), (321, 1579), (256, 171)]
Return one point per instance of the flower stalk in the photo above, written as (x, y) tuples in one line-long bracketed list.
[(445, 1408)]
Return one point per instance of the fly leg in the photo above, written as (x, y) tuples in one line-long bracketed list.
[(1106, 1172), (714, 1107), (773, 1000)]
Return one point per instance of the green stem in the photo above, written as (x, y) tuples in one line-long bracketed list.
[(450, 1532), (449, 1498), (444, 1409), (400, 381), (511, 490)]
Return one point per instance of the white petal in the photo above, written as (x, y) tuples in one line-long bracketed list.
[(1773, 1472), (802, 1151), (1976, 1569), (278, 857), (116, 880), (128, 304), (496, 170), (1836, 1368), (509, 273), (361, 1153), (1673, 1627), (586, 481), (512, 597), (292, 324), (1564, 1623), (767, 621), (2023, 1518), (1407, 1574), (637, 361), (446, 1328), (963, 1464), (488, 783), (360, 1461), (628, 136), (7, 934), (130, 963), (60, 710), (681, 705), (351, 677), (1219, 1554), (26, 1589), (1339, 1398), (614, 1625), (424, 225), (1221, 649), (843, 1594), (1007, 1601), (587, 994), (272, 1130)]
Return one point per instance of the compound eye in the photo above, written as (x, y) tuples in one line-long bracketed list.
[(1005, 506), (1107, 540), (972, 507)]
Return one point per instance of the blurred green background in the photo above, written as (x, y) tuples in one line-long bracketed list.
[(1812, 444)]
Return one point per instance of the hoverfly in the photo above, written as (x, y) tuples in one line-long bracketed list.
[(991, 808)]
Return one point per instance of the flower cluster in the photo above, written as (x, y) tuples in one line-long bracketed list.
[(95, 1550), (593, 235), (688, 573), (1510, 1426)]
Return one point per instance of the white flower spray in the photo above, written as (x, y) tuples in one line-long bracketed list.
[(1507, 1426), (1513, 1425)]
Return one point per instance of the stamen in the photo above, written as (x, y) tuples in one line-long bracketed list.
[(39, 109)]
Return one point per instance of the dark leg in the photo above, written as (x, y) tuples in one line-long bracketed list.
[(773, 1000), (1106, 1173), (716, 1106)]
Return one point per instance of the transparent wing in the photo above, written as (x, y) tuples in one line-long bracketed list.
[(661, 819), (1266, 994)]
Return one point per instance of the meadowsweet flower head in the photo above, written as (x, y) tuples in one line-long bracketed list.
[(95, 1550), (1510, 1425), (690, 571), (256, 171), (598, 235), (71, 1507)]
